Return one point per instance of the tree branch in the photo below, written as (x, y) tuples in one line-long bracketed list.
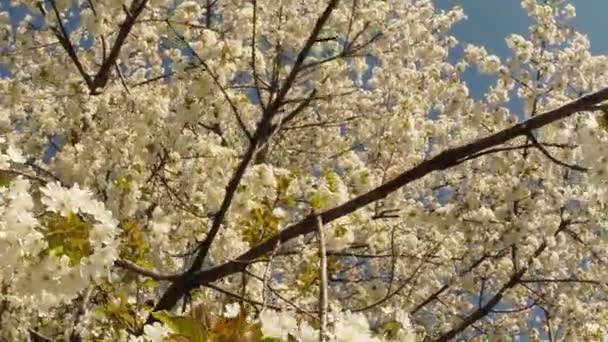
[(323, 286), (64, 39), (131, 267), (103, 75), (263, 132), (442, 161), (513, 281)]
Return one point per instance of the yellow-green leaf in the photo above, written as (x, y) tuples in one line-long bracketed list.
[(185, 326)]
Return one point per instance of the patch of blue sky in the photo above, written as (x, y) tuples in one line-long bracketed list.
[(489, 22)]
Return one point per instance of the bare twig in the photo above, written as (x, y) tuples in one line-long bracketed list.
[(254, 66), (216, 81), (64, 39), (123, 81), (267, 275), (323, 297), (131, 267), (241, 298), (490, 304), (103, 75), (553, 159)]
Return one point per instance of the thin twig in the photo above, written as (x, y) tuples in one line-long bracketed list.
[(129, 266), (553, 159), (216, 81), (64, 38), (123, 81), (266, 278), (323, 297), (241, 298)]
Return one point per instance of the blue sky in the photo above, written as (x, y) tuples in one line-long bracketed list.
[(490, 21)]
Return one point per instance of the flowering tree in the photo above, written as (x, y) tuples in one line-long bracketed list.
[(297, 171)]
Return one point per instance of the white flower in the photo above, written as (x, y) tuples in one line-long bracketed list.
[(246, 11), (353, 327), (266, 176), (4, 161), (156, 332), (232, 310), (490, 65), (98, 211), (306, 333), (569, 11), (474, 54), (210, 38), (520, 46), (57, 199), (14, 154), (279, 213), (277, 324)]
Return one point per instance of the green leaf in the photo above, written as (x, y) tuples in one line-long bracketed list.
[(270, 339), (184, 326), (332, 180), (261, 224), (5, 179), (149, 284), (317, 201), (67, 235), (602, 121)]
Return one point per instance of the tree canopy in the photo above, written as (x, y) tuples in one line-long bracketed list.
[(298, 170)]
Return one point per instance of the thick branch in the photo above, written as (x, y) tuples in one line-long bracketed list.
[(442, 161), (263, 132), (64, 39), (103, 75)]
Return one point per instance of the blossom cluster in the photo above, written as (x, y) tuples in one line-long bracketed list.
[(135, 132)]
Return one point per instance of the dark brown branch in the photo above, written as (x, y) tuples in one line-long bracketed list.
[(442, 161), (263, 131), (24, 175), (131, 267), (518, 147), (64, 39), (553, 159), (562, 280), (103, 75), (38, 337)]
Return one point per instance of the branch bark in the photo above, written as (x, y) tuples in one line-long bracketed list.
[(103, 75), (323, 299), (263, 132), (442, 161)]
